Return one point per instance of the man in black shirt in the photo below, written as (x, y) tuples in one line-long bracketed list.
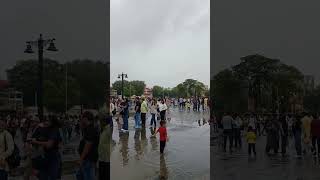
[(137, 116), (88, 148)]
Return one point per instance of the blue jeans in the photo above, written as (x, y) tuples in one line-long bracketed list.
[(137, 118), (153, 120), (86, 171), (125, 122), (3, 175)]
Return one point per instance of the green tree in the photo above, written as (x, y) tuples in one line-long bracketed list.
[(157, 91), (228, 92), (137, 87)]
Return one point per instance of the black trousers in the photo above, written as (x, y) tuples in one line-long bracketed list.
[(163, 115), (162, 146), (143, 119), (251, 147), (104, 170), (237, 137)]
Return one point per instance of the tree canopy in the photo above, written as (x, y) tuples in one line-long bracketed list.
[(267, 82), (86, 82)]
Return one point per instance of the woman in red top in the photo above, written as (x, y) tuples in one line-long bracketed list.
[(163, 135)]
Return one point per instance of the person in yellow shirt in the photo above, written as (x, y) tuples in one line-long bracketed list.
[(251, 139), (306, 129)]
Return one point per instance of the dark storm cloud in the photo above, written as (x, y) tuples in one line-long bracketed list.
[(78, 25), (288, 30), (160, 42)]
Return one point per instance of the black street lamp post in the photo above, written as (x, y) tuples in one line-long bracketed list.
[(122, 76), (40, 44)]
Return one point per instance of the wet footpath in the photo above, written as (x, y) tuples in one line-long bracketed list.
[(238, 165), (136, 155)]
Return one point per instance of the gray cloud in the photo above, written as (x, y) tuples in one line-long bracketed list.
[(161, 42), (78, 25), (287, 30)]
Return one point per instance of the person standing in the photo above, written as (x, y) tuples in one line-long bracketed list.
[(297, 133), (252, 122), (284, 135), (153, 111), (112, 110), (162, 109), (205, 101), (315, 132), (6, 149), (306, 127), (251, 139), (52, 157), (104, 150), (137, 116), (163, 135), (227, 122), (237, 131), (273, 128), (144, 111), (125, 126), (88, 148)]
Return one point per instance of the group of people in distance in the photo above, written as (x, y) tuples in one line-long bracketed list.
[(302, 129), (159, 109)]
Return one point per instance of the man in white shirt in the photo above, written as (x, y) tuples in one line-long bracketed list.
[(227, 123)]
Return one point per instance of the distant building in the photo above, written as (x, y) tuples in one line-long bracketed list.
[(147, 92)]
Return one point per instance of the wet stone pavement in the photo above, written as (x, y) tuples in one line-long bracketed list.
[(238, 166), (136, 155)]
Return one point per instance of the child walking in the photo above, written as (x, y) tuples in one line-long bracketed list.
[(163, 135), (251, 139)]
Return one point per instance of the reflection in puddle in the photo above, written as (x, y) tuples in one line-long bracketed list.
[(124, 139), (136, 156)]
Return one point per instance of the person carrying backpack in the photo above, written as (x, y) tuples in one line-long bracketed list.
[(6, 149)]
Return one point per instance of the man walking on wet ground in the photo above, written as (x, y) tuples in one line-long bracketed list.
[(88, 148), (227, 123)]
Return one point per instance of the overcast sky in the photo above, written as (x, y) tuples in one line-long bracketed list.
[(162, 42), (79, 27), (288, 30)]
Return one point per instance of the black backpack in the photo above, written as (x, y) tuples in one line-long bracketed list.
[(14, 159)]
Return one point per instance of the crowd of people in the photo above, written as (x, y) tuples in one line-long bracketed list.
[(197, 104), (280, 129), (36, 146)]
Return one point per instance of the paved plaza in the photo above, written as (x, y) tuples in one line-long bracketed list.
[(238, 166), (136, 155)]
